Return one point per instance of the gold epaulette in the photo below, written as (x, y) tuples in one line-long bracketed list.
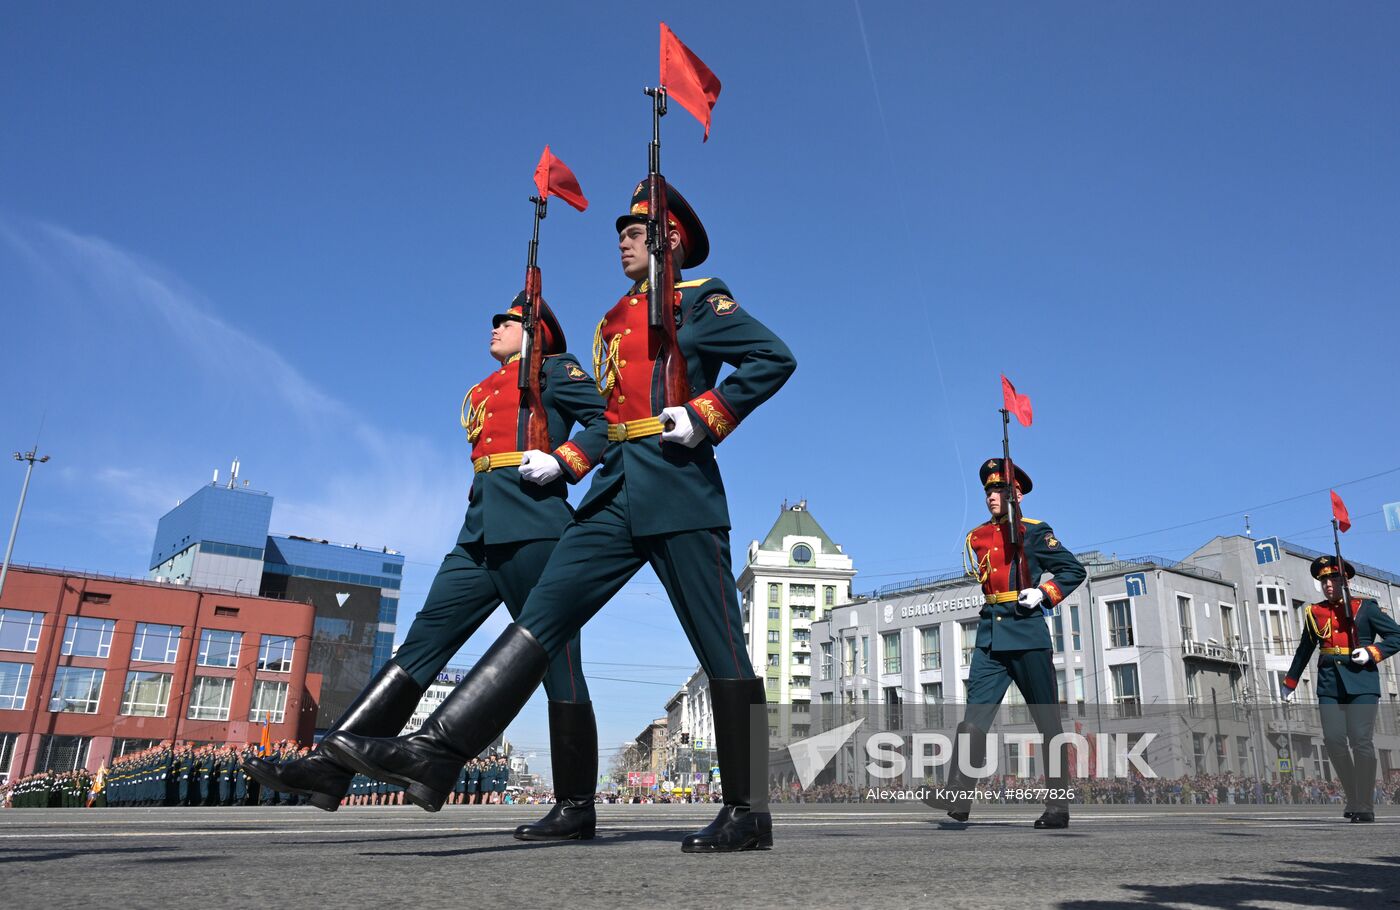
[(1031, 521), (692, 283)]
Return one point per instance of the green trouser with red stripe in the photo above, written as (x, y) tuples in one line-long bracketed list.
[(473, 580)]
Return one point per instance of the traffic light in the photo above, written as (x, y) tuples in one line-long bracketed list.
[(685, 739)]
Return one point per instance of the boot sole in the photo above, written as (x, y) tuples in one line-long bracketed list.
[(762, 842), (577, 835)]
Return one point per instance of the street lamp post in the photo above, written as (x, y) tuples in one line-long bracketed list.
[(31, 456)]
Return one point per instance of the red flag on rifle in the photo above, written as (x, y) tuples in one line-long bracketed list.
[(1339, 512), (1018, 404), (687, 79), (553, 178)]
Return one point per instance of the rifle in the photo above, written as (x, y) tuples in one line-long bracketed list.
[(1346, 588), (531, 348), (1015, 544), (661, 275)]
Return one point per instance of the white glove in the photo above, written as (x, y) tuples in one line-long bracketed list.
[(679, 428), (1361, 657), (1285, 693), (540, 467), (1031, 599)]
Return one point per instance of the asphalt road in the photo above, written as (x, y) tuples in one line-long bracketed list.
[(825, 856)]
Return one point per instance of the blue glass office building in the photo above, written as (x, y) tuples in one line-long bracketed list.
[(218, 538)]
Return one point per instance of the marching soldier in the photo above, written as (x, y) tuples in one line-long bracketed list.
[(1348, 682), (1013, 643), (658, 499), (518, 510)]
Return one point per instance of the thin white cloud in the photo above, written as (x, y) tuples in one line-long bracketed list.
[(355, 483)]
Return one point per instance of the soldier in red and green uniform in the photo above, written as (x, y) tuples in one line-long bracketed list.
[(1350, 643), (658, 499), (518, 509), (1013, 641)]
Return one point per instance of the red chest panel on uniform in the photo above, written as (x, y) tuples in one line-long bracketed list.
[(989, 544), (1332, 625), (492, 413), (625, 359)]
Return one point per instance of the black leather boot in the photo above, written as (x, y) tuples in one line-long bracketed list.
[(949, 797), (425, 764), (573, 754), (741, 744), (381, 709), (1364, 788), (1056, 814), (1345, 769)]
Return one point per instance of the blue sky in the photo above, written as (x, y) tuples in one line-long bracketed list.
[(277, 232)]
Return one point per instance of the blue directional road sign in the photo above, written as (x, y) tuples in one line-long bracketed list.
[(1137, 584), (1267, 551), (1392, 516)]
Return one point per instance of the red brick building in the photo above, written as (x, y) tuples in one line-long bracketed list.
[(93, 667)]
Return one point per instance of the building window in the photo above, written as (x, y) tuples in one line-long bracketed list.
[(933, 704), (774, 592), (76, 690), (19, 630), (774, 614), (86, 636), (865, 656), (155, 644), (1125, 689), (1273, 596), (802, 613), (773, 659), (1120, 623), (14, 686), (219, 648), (1079, 690), (269, 702), (894, 709), (801, 554), (849, 663), (969, 641), (1242, 754), (829, 595), (1183, 615), (211, 697), (7, 755), (1193, 695), (802, 595), (146, 694), (1198, 749), (1276, 635), (62, 753), (1227, 625), (892, 662), (773, 636), (1057, 631), (802, 636), (1061, 687), (826, 660), (930, 649), (1074, 626)]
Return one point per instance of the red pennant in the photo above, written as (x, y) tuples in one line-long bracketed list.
[(553, 178), (1339, 512), (687, 79), (1018, 404)]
